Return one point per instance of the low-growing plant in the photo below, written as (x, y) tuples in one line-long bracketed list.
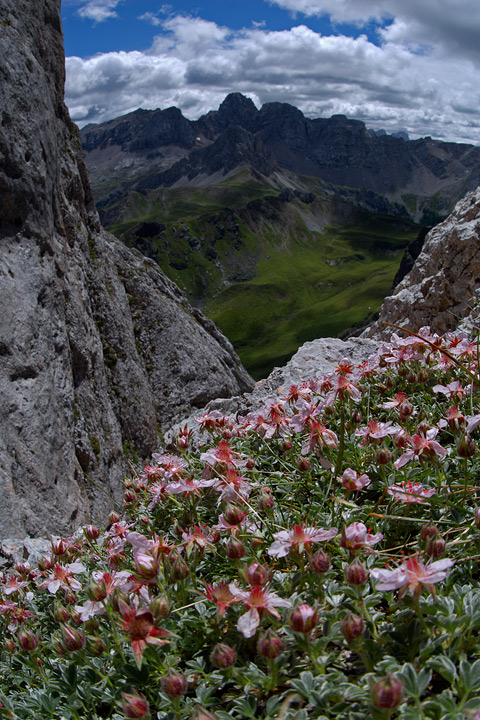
[(316, 560)]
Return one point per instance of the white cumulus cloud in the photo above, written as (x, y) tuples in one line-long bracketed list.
[(99, 10), (400, 82)]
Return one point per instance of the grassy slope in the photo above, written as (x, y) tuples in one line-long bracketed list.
[(272, 284)]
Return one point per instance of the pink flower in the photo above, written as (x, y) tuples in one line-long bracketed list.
[(258, 600), (453, 389), (356, 536), (412, 575), (343, 390), (409, 492), (351, 480), (298, 539), (221, 595), (320, 436), (376, 431), (62, 576), (423, 446), (223, 455), (140, 627)]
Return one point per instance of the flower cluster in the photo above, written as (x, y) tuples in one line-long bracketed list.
[(317, 559)]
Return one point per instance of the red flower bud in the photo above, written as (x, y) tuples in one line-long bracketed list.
[(113, 518), (257, 575), (160, 607), (59, 546), (174, 684), (235, 549), (320, 562), (91, 532), (428, 531), (287, 445), (435, 546), (352, 626), (356, 573), (387, 693), (466, 447), (223, 656), (270, 645), (303, 464), (179, 569), (135, 706), (46, 563), (233, 514), (250, 464), (384, 456), (96, 645), (265, 499), (146, 566), (62, 614), (27, 640), (303, 618), (72, 639)]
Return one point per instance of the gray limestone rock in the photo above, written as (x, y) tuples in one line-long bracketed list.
[(98, 349), (440, 289)]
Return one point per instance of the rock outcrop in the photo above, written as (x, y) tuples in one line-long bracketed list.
[(98, 349), (441, 288)]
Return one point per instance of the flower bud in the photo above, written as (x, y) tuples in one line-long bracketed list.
[(129, 497), (61, 614), (135, 706), (223, 656), (45, 563), (405, 409), (174, 684), (303, 618), (303, 464), (179, 569), (250, 463), (352, 626), (320, 562), (9, 645), (466, 447), (72, 639), (59, 546), (27, 640), (387, 693), (356, 573), (270, 645), (383, 456), (113, 518), (160, 607), (96, 591), (96, 645), (235, 549), (234, 515), (257, 575), (265, 499), (435, 546), (287, 445), (428, 531), (91, 532), (146, 566)]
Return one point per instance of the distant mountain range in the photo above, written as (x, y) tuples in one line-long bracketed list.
[(280, 228), (148, 149)]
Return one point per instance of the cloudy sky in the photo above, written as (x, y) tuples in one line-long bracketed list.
[(395, 64)]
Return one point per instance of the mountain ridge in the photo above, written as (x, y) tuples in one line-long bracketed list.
[(337, 150)]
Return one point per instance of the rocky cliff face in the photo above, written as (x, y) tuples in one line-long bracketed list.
[(98, 349), (440, 289)]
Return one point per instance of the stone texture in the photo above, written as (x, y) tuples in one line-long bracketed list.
[(440, 288), (98, 349)]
